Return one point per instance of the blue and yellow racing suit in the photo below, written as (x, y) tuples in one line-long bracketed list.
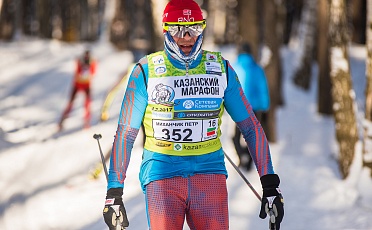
[(181, 106)]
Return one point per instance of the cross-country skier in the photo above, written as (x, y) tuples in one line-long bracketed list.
[(84, 73), (183, 173)]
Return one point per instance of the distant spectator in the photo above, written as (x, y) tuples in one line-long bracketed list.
[(120, 84), (85, 70), (254, 83)]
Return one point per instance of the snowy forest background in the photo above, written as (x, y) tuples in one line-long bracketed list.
[(316, 55)]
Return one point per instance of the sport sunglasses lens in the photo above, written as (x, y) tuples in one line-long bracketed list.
[(181, 30)]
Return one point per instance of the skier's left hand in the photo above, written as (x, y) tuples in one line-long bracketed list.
[(272, 200)]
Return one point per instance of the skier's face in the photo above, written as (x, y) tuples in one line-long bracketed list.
[(186, 43)]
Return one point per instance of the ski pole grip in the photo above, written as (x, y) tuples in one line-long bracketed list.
[(271, 220), (97, 136)]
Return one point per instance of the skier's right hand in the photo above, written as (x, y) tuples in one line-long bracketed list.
[(114, 208)]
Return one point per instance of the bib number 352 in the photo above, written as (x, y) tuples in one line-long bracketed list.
[(185, 131), (177, 134)]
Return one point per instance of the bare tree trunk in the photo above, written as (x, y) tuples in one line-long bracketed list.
[(302, 75), (157, 13), (292, 19), (133, 27), (8, 19), (89, 18), (30, 24), (232, 24), (273, 68), (248, 24), (217, 20), (141, 34), (120, 26), (324, 80), (87, 15), (46, 12), (70, 16), (358, 17), (342, 90), (367, 141), (68, 20)]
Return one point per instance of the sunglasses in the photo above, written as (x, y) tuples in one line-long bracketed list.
[(180, 29)]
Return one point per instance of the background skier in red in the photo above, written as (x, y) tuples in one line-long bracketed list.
[(84, 73)]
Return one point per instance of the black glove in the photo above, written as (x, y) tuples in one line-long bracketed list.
[(272, 200), (114, 207)]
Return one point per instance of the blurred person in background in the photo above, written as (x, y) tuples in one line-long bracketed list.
[(121, 84), (180, 94), (84, 73), (255, 87)]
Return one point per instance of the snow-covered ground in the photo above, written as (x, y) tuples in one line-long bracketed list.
[(44, 176)]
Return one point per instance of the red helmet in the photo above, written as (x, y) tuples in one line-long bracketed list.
[(182, 11)]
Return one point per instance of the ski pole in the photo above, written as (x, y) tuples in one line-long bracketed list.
[(271, 220), (270, 211), (115, 207), (243, 177), (97, 137)]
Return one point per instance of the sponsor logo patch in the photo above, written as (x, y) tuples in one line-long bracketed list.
[(162, 115), (163, 145), (163, 95), (177, 147), (157, 60), (198, 104), (110, 201), (188, 104), (211, 57), (160, 69), (213, 68)]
